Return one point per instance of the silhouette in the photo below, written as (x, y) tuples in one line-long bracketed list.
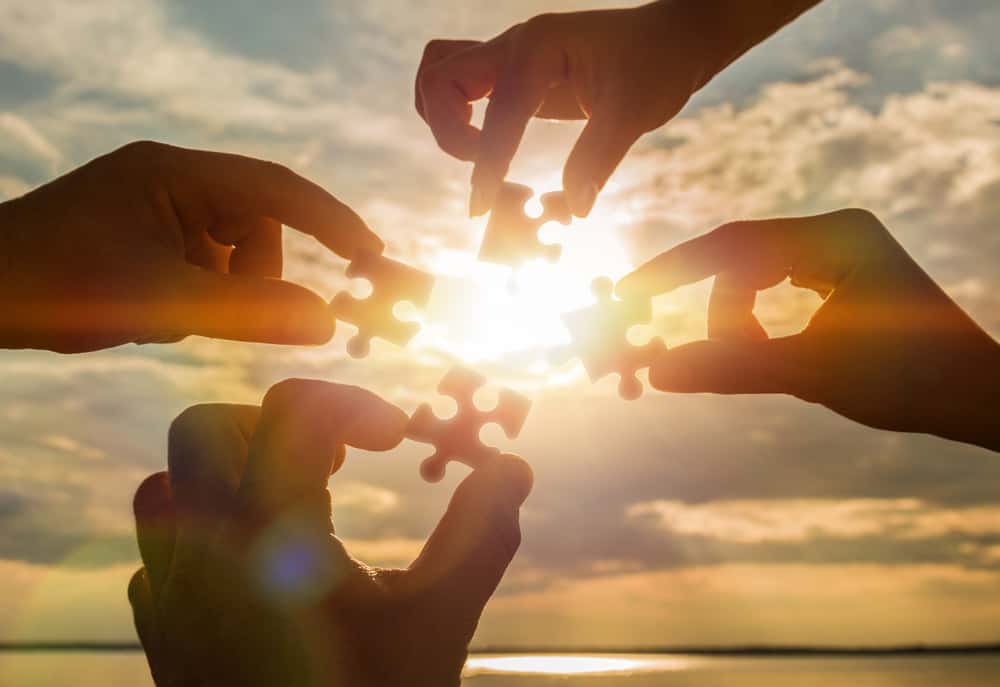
[(626, 71), (151, 243), (244, 583), (888, 347)]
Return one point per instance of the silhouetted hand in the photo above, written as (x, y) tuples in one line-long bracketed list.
[(887, 348), (244, 582), (627, 71), (153, 243)]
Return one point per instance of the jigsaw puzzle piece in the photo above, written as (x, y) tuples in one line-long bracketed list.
[(511, 236), (600, 338), (392, 282), (457, 438)]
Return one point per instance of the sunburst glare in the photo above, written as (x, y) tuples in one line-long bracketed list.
[(488, 313)]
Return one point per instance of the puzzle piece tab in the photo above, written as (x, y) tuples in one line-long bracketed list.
[(392, 282), (600, 338), (457, 438), (511, 236)]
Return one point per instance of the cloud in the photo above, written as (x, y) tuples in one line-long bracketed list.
[(752, 604), (927, 163), (793, 522), (798, 520)]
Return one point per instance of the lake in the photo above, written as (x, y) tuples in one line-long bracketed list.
[(104, 669)]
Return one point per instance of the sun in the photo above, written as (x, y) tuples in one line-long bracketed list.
[(482, 312)]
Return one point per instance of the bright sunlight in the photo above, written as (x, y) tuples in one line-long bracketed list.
[(553, 664), (524, 307)]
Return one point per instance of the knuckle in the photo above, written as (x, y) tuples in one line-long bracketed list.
[(860, 220), (137, 588), (860, 228), (434, 48), (279, 171), (284, 392), (151, 493), (190, 426), (539, 27), (142, 149)]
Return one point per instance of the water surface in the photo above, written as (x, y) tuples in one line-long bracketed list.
[(104, 669)]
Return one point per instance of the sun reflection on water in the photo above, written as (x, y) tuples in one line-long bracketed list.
[(564, 664)]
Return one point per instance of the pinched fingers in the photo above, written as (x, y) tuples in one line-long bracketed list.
[(303, 426)]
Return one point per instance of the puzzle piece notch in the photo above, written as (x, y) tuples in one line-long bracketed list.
[(600, 338), (392, 282), (511, 236), (457, 438)]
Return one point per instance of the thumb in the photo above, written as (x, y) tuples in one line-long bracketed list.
[(731, 367), (604, 141), (466, 556), (240, 308)]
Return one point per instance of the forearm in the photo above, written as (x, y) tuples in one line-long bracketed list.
[(725, 29), (12, 311)]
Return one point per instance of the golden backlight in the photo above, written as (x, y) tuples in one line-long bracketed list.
[(481, 312), (555, 664)]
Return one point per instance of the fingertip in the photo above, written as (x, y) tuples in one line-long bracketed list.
[(630, 286), (387, 427), (152, 498), (138, 590), (581, 197), (295, 316), (485, 186), (516, 476)]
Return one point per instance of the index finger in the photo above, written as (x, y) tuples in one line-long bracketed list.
[(754, 249), (303, 423), (446, 87), (236, 186)]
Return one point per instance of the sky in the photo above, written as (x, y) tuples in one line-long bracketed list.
[(667, 520)]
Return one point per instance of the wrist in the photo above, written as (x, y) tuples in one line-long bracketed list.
[(6, 242), (718, 32), (972, 414)]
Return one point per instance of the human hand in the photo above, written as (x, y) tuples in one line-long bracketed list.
[(244, 582), (626, 71), (153, 243), (888, 348)]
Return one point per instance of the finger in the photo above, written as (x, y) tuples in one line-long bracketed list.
[(602, 145), (466, 556), (207, 449), (143, 617), (561, 102), (258, 251), (435, 52), (155, 529), (464, 71), (730, 309), (731, 367), (237, 186), (519, 92), (203, 251), (302, 425), (764, 252), (237, 307)]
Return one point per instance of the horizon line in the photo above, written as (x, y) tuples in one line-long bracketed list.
[(692, 650)]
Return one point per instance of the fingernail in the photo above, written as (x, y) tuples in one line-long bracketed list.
[(582, 200)]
